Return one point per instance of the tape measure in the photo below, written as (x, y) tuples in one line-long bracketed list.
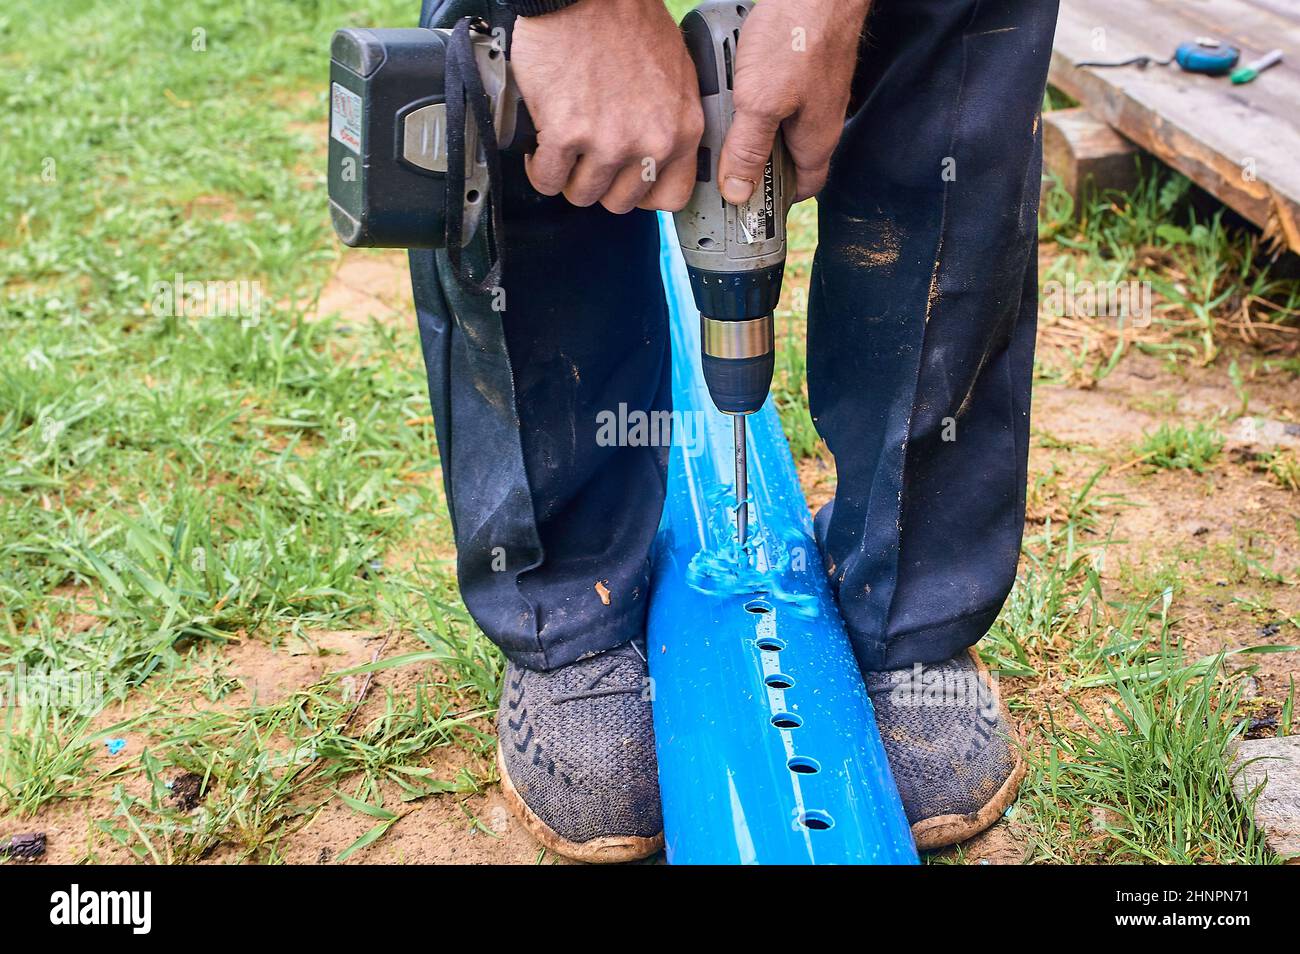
[(1201, 55), (1204, 55)]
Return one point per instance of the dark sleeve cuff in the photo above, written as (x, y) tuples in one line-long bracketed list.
[(535, 8)]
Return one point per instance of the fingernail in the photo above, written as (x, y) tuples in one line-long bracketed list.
[(737, 190)]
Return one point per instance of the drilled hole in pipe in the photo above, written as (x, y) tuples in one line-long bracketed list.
[(779, 680), (803, 765), (771, 644), (787, 720), (816, 820), (758, 606)]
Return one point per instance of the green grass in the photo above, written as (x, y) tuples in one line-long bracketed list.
[(1053, 98), (1282, 467), (1181, 448), (1145, 782), (1130, 768), (180, 482), (1202, 271), (259, 795), (171, 485), (790, 377)]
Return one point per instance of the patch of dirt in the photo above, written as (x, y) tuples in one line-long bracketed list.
[(368, 284), (817, 477), (1003, 844), (1224, 532), (1230, 537), (268, 675), (439, 829), (71, 834), (221, 208), (1227, 538)]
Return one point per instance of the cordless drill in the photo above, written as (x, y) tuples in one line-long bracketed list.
[(735, 255), (388, 171)]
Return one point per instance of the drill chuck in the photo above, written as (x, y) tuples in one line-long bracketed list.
[(736, 335), (738, 357)]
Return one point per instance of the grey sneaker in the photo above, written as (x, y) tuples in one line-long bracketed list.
[(951, 748), (576, 752)]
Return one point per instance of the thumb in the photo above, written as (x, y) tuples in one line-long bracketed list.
[(745, 152)]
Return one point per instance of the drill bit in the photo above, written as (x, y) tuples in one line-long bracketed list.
[(742, 478)]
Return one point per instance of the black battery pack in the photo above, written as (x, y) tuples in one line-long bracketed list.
[(380, 78)]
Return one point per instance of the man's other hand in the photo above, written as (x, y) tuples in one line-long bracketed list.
[(614, 96), (794, 67)]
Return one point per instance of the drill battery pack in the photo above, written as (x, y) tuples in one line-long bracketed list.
[(388, 135)]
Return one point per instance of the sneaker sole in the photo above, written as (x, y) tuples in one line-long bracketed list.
[(943, 831), (606, 850)]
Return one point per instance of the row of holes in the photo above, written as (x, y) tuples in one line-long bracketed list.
[(813, 819)]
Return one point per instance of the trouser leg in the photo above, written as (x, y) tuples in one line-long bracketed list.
[(553, 527), (922, 319)]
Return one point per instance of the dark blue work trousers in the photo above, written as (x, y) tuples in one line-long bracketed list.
[(921, 322)]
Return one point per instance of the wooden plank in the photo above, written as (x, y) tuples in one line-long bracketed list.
[(1086, 154), (1240, 143), (1283, 8), (1276, 765), (1156, 27)]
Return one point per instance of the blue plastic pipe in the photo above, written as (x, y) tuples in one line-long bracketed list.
[(767, 742)]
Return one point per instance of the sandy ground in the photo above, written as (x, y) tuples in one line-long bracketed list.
[(1199, 518)]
